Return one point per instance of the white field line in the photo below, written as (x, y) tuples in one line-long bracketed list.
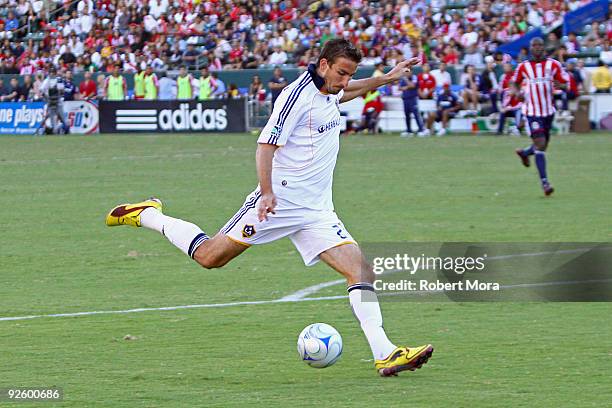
[(303, 293), (264, 302), (86, 159)]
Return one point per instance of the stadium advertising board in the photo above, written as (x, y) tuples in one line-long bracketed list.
[(21, 118), (82, 116), (173, 116)]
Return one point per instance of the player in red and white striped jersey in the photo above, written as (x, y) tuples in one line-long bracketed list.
[(536, 77)]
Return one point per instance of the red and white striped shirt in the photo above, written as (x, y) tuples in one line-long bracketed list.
[(511, 101), (536, 79)]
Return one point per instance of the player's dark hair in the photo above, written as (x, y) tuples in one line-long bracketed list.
[(337, 48)]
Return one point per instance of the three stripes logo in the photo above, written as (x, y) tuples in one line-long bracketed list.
[(186, 117), (136, 119)]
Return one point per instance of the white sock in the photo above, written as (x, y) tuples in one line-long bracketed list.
[(367, 310), (182, 234)]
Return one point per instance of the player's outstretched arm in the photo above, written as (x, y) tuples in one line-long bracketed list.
[(264, 156), (359, 87)]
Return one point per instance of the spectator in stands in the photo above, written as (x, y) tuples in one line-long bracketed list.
[(184, 88), (441, 75), (70, 89), (410, 97), (372, 108), (488, 85), (276, 84), (470, 81), (190, 56), (87, 87), (151, 84), (220, 91), (506, 77), (571, 91), (447, 106), (233, 92), (572, 44), (4, 92), (606, 53), (511, 107), (552, 43), (256, 89), (585, 75), (26, 88), (35, 92), (473, 57), (12, 93), (101, 87), (207, 85), (379, 68), (523, 55), (11, 22), (602, 80), (426, 83), (68, 58), (278, 57), (115, 87)]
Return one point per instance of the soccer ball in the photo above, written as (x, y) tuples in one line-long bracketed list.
[(319, 345)]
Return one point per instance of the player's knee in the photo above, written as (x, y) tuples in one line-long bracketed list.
[(209, 260)]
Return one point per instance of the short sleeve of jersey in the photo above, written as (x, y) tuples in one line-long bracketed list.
[(287, 113)]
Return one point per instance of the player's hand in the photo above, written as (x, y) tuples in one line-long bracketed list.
[(403, 68), (266, 205)]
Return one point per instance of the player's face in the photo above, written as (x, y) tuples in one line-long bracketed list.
[(337, 75), (537, 49)]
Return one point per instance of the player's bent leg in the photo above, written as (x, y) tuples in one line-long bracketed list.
[(186, 236), (217, 251), (350, 263), (389, 359)]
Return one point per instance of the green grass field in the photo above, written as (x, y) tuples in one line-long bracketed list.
[(56, 256)]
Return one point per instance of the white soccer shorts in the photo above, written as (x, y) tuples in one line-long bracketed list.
[(311, 231)]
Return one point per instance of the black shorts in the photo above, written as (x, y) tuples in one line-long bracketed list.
[(540, 126)]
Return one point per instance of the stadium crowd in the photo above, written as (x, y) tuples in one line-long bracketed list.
[(101, 36)]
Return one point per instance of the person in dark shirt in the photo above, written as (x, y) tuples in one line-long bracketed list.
[(190, 56), (68, 58), (572, 91), (24, 90), (447, 105), (410, 97), (70, 88), (276, 84), (4, 92), (13, 91), (487, 86)]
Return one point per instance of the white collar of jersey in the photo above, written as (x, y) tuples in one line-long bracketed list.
[(316, 78)]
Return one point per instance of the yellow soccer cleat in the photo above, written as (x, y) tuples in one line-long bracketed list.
[(129, 214), (404, 358)]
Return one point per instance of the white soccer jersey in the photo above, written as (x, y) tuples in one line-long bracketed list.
[(305, 123)]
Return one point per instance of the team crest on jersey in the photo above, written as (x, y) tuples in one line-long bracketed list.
[(248, 231)]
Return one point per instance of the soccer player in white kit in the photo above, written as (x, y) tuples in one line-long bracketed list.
[(296, 156)]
